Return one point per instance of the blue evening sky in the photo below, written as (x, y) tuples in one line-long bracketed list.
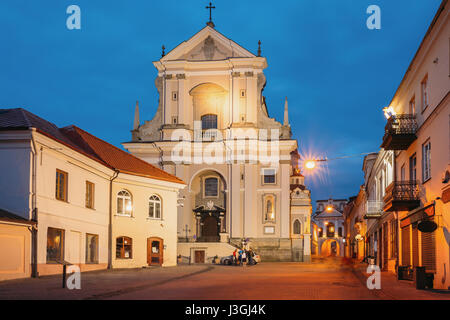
[(337, 74)]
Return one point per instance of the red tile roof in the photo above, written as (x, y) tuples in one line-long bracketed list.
[(85, 143), (114, 156)]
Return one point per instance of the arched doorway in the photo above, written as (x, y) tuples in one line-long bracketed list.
[(330, 248), (208, 191)]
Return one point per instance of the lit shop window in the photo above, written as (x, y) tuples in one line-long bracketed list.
[(55, 245), (124, 248)]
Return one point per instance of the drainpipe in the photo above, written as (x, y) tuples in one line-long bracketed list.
[(34, 217), (116, 173), (396, 216), (230, 177)]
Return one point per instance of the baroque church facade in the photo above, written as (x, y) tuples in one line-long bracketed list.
[(212, 129)]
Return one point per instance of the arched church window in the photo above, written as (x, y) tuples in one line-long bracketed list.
[(269, 208), (211, 187), (154, 207), (297, 227), (209, 121), (124, 204)]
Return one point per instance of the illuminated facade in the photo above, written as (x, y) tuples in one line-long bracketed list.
[(211, 98), (329, 221), (418, 133)]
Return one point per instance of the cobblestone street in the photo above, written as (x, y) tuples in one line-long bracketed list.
[(330, 278)]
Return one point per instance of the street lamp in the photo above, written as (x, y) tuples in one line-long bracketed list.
[(389, 112), (311, 164)]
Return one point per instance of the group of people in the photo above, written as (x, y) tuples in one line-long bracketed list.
[(242, 257)]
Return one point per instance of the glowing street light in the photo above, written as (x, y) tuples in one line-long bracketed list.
[(310, 164), (389, 112), (329, 208)]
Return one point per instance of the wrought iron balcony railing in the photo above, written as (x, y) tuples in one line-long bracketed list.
[(402, 196), (400, 132)]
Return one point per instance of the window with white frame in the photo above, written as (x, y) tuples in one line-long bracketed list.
[(269, 176), (124, 204), (211, 187), (426, 161), (154, 207), (269, 208)]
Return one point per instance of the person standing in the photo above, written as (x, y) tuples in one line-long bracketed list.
[(244, 258), (234, 257)]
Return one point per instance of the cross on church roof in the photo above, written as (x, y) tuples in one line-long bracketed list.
[(210, 23)]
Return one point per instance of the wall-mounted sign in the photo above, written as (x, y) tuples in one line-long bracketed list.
[(427, 226), (269, 230)]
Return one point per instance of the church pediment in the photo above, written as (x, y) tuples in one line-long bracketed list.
[(207, 45)]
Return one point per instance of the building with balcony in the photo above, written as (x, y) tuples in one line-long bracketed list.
[(381, 225), (418, 132)]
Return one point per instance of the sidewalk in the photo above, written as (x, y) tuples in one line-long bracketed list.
[(97, 284), (393, 289)]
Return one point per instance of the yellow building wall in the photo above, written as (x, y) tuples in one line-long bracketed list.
[(15, 251)]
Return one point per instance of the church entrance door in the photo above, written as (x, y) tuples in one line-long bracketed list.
[(210, 229)]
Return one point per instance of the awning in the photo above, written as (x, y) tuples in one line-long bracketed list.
[(418, 215)]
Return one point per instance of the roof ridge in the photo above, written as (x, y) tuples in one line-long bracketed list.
[(84, 142), (127, 153), (25, 116)]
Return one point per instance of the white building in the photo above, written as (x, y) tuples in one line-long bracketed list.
[(234, 157), (329, 220), (71, 185)]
